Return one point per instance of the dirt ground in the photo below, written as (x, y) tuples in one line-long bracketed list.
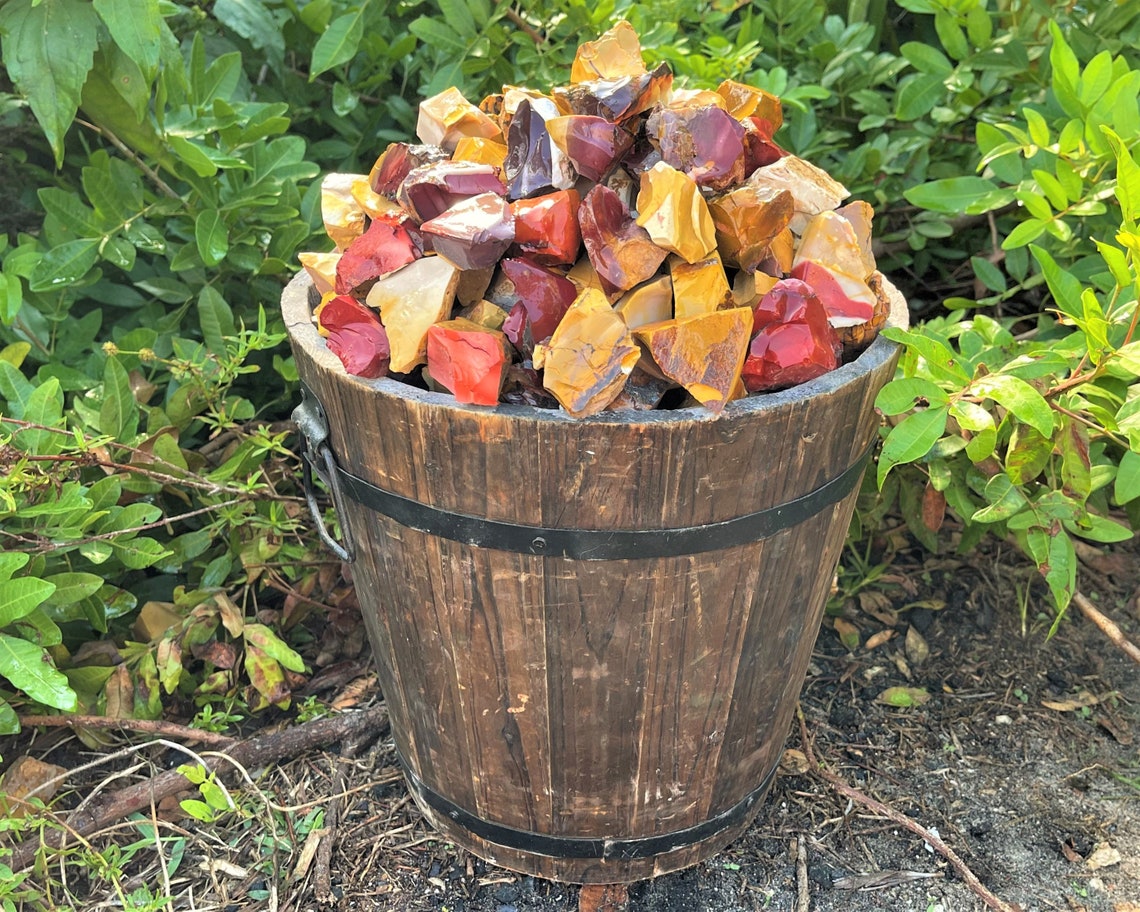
[(1024, 760)]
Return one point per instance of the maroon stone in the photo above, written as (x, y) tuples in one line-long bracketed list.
[(704, 141), (534, 165), (546, 227), (390, 242), (355, 336), (473, 233), (524, 387), (432, 189), (759, 149), (516, 327), (593, 144), (620, 250), (397, 161), (544, 294)]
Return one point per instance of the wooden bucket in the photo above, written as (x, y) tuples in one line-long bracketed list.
[(591, 634)]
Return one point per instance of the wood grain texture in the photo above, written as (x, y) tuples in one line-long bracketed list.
[(614, 699)]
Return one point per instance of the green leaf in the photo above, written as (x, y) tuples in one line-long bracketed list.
[(951, 35), (1028, 454), (36, 627), (1127, 176), (215, 318), (71, 587), (903, 697), (979, 26), (1064, 286), (44, 406), (21, 596), (64, 265), (980, 423), (139, 553), (1099, 529), (436, 34), (75, 217), (1076, 467), (255, 23), (1127, 485), (9, 722), (902, 395), (988, 274), (1027, 231), (1018, 397), (11, 297), (1061, 570), (918, 94), (927, 59), (119, 412), (1004, 498), (137, 27), (192, 155), (911, 439), (212, 236), (338, 44), (1066, 72), (956, 195), (939, 357), (31, 669), (269, 643), (11, 561), (457, 14), (48, 50)]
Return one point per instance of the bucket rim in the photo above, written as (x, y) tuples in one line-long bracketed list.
[(296, 309)]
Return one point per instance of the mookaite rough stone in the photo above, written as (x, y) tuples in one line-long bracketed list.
[(546, 227), (389, 243), (446, 118), (342, 216), (592, 144), (432, 189), (469, 360), (747, 220), (699, 287), (812, 188), (670, 207), (620, 250), (703, 141), (397, 161), (587, 360), (614, 54), (703, 353), (649, 302), (794, 341), (410, 301), (546, 295), (473, 233), (355, 335)]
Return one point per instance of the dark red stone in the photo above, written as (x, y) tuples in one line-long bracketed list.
[(620, 250), (355, 336), (618, 99), (473, 233), (397, 161), (591, 143), (544, 294), (389, 243), (524, 387), (759, 149), (432, 189), (794, 342), (546, 227), (516, 327), (704, 141)]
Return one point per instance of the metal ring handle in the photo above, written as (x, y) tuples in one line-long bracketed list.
[(310, 418)]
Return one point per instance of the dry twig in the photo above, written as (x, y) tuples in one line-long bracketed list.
[(1107, 626), (803, 898), (147, 726), (968, 876)]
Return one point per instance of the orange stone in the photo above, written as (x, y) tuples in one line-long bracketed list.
[(481, 150), (859, 213), (812, 188), (321, 268), (410, 301), (446, 118), (615, 54), (700, 287), (742, 101), (749, 287), (747, 220), (829, 239), (587, 360), (341, 214), (468, 360), (778, 260), (704, 354), (649, 302), (670, 207)]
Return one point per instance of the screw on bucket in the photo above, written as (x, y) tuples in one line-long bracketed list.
[(318, 456)]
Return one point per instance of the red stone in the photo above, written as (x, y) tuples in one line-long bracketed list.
[(841, 309), (389, 243), (473, 233), (356, 336), (786, 354), (396, 162), (620, 250), (469, 360), (790, 301), (516, 327), (759, 148), (703, 141), (546, 227), (592, 144), (544, 294), (431, 190)]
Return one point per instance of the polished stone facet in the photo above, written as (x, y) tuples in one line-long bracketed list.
[(546, 227), (587, 360), (699, 287), (388, 244), (397, 161), (446, 118), (343, 218), (705, 142), (473, 233), (649, 302), (431, 190), (545, 294), (592, 144), (747, 220), (469, 360), (670, 207), (812, 188), (355, 335), (703, 353), (614, 54), (410, 301), (620, 250)]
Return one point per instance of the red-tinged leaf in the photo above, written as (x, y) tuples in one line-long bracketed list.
[(933, 508)]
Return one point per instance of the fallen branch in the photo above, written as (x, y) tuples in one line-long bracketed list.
[(322, 870), (259, 751), (1107, 626), (904, 821), (148, 726)]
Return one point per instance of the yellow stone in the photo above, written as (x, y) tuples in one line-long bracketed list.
[(341, 213), (373, 204), (410, 300), (473, 285), (670, 207), (584, 275), (615, 54), (486, 313), (321, 268), (747, 219), (749, 287), (325, 298), (446, 118), (649, 302), (700, 287), (704, 353), (586, 362), (859, 213), (742, 100), (480, 150), (829, 240), (684, 98)]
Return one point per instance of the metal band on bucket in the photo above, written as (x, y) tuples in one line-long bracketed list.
[(602, 544), (579, 846)]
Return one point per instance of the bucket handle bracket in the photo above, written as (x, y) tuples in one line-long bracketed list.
[(317, 456)]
